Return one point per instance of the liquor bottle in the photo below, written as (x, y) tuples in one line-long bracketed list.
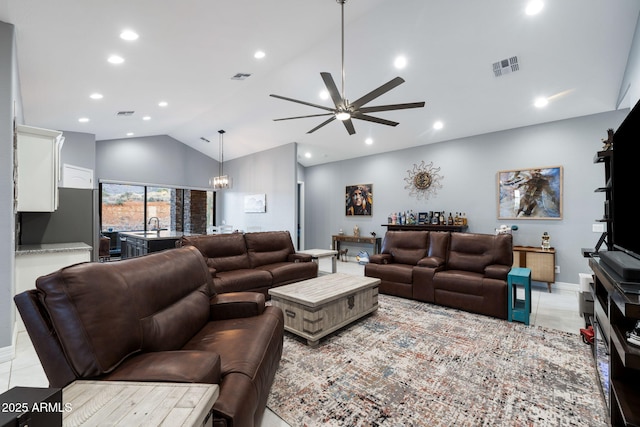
[(456, 219), (435, 219), (464, 219), (450, 219), (442, 218)]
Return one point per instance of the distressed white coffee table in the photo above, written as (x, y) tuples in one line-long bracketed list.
[(316, 307), (316, 254)]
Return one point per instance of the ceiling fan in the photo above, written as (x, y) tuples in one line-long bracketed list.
[(345, 110)]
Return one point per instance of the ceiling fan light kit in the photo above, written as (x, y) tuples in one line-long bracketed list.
[(343, 110)]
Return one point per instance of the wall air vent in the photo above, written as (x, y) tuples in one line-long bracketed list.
[(506, 66), (125, 113), (240, 76)]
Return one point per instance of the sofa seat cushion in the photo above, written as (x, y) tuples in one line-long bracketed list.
[(399, 273), (241, 280), (248, 345), (464, 282), (289, 272), (175, 366)]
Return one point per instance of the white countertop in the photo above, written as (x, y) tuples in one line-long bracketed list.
[(52, 248)]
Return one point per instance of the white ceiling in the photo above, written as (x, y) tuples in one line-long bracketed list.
[(574, 51)]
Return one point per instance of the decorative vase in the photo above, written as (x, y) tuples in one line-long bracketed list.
[(356, 231)]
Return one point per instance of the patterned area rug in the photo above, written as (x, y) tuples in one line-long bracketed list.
[(416, 364)]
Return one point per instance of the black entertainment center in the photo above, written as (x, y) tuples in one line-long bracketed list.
[(616, 285)]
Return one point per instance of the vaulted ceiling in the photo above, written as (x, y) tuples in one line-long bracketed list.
[(573, 53)]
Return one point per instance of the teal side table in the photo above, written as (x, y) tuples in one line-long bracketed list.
[(519, 309)]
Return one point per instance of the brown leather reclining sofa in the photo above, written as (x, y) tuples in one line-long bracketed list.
[(154, 318), (253, 262), (460, 270)]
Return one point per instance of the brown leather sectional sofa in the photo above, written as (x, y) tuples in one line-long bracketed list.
[(461, 270), (154, 318), (253, 262)]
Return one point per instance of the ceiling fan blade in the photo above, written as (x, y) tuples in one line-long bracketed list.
[(329, 120), (333, 90), (391, 107), (377, 92), (303, 117), (302, 102), (375, 120), (348, 124)]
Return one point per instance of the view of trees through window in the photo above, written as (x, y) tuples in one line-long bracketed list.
[(128, 207)]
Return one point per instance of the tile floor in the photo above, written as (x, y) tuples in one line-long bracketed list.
[(557, 310)]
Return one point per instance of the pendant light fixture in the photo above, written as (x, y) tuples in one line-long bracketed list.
[(221, 181)]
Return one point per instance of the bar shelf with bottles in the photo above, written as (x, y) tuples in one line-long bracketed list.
[(431, 221)]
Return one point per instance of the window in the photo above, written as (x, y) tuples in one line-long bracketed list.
[(130, 207)]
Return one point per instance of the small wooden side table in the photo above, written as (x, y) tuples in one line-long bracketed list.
[(316, 254), (126, 403), (519, 309), (376, 242)]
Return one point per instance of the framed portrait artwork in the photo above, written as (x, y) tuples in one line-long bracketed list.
[(359, 199), (534, 193)]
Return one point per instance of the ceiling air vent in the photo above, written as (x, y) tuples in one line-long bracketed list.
[(506, 66), (204, 139), (240, 76), (125, 113)]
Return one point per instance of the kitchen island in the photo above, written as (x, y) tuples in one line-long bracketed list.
[(138, 243)]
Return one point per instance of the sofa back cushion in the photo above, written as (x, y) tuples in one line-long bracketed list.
[(104, 312), (406, 247), (224, 252), (439, 244), (268, 247), (473, 252)]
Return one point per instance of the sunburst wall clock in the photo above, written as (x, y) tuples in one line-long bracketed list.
[(423, 180)]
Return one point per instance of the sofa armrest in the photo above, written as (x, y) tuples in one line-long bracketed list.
[(497, 271), (431, 262), (234, 305), (299, 258), (184, 366), (381, 259)]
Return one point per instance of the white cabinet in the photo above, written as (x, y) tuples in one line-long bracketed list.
[(38, 169)]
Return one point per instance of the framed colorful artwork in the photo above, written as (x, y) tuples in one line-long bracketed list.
[(534, 193), (359, 199)]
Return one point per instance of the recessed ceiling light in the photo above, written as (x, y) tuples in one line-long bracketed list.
[(146, 118), (400, 62), (96, 96), (541, 102), (534, 7), (115, 59), (83, 119), (259, 54), (129, 35), (130, 133), (307, 155), (163, 104), (368, 141), (438, 125)]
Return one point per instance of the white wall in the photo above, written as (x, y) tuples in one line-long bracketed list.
[(9, 93), (469, 167), (273, 173)]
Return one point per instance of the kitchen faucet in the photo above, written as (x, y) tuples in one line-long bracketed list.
[(157, 223)]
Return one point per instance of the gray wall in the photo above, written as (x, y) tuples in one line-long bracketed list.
[(153, 160), (9, 93), (271, 172), (631, 80), (469, 167), (79, 149)]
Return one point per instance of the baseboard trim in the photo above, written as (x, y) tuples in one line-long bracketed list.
[(564, 286), (7, 354)]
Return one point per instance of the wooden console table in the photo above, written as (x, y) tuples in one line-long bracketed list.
[(376, 242), (426, 227), (542, 262), (138, 403)]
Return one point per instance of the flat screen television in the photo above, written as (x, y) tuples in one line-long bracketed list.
[(625, 175)]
